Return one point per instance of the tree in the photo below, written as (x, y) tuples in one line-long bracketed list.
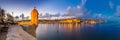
[(2, 14), (16, 17), (22, 16), (10, 17)]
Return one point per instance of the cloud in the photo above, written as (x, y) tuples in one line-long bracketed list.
[(111, 4), (118, 10), (77, 11), (81, 12), (83, 2), (98, 16), (69, 8)]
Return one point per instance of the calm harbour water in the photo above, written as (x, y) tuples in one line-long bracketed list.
[(104, 31)]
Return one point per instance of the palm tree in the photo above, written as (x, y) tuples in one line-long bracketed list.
[(2, 14), (22, 16)]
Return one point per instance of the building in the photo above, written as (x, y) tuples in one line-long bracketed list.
[(34, 16)]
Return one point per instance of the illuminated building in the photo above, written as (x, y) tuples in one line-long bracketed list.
[(34, 16)]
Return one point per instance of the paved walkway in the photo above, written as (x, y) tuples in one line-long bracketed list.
[(3, 35), (17, 33)]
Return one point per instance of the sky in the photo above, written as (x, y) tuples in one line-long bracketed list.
[(105, 9)]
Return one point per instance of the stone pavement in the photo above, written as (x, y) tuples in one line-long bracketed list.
[(16, 32)]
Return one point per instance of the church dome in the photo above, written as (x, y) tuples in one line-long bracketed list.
[(34, 10)]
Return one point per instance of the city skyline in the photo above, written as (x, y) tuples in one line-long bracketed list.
[(105, 9)]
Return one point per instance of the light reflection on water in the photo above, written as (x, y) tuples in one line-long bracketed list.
[(76, 32)]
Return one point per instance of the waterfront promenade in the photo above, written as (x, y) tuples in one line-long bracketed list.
[(16, 32)]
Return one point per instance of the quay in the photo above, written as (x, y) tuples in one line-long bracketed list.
[(16, 32)]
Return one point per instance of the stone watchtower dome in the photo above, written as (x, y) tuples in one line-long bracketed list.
[(34, 16)]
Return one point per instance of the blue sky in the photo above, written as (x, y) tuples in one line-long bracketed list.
[(104, 8)]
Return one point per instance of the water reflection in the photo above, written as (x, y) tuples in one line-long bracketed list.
[(58, 31), (75, 32)]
